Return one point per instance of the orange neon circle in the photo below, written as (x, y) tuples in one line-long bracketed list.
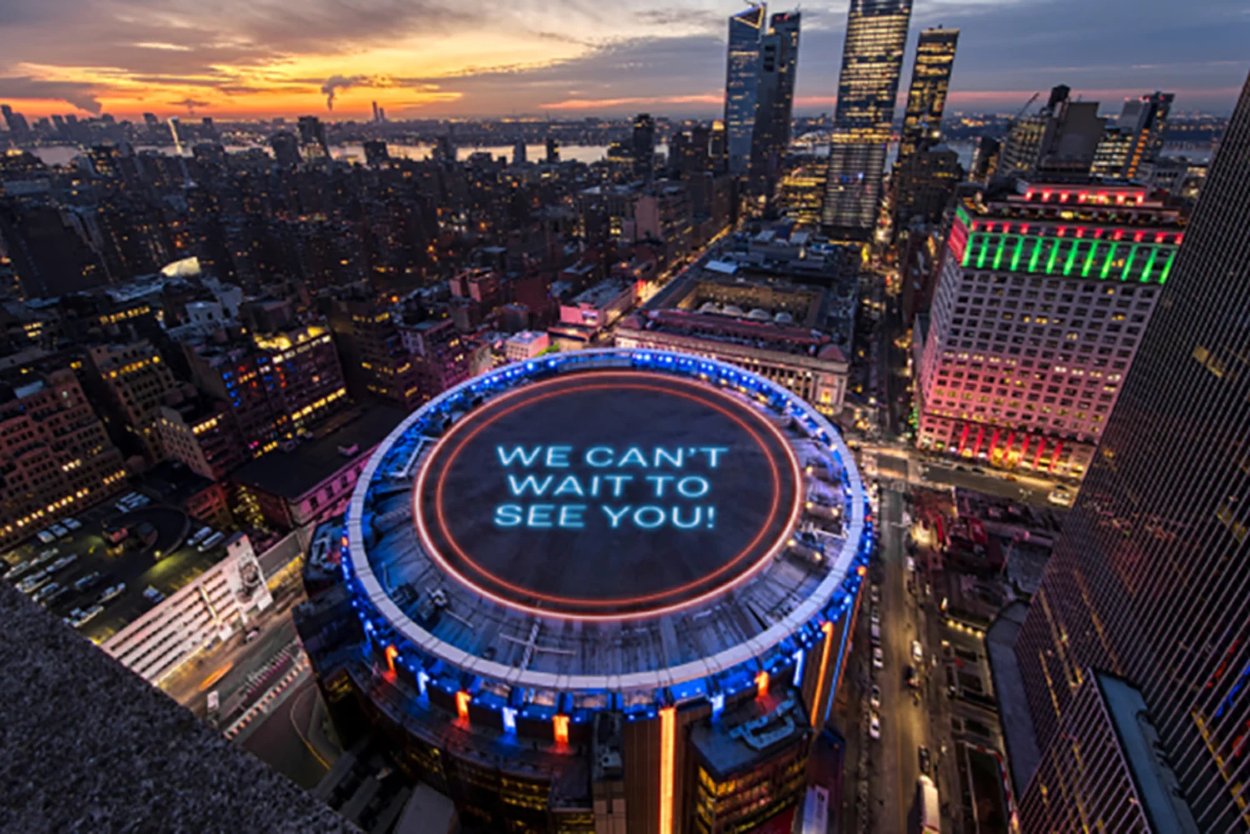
[(723, 409)]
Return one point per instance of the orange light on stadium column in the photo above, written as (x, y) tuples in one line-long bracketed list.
[(560, 728), (462, 705), (761, 684), (827, 628), (668, 741), (391, 654)]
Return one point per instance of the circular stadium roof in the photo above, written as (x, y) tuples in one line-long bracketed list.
[(657, 492), (605, 521)]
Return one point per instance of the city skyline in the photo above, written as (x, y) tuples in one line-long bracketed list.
[(435, 60)]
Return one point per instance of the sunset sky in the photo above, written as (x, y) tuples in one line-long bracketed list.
[(428, 58)]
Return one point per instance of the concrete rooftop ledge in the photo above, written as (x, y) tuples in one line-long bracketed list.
[(88, 746)]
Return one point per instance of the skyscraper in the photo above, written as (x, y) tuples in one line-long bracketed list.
[(15, 121), (1151, 578), (741, 83), (1060, 140), (1043, 299), (644, 146), (872, 59), (778, 65), (312, 137), (930, 79), (1136, 137)]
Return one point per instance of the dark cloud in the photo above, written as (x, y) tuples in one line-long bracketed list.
[(82, 96), (190, 104), (331, 86)]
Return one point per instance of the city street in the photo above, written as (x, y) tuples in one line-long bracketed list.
[(904, 719), (233, 667)]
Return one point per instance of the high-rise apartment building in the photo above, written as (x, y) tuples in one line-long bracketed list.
[(1059, 140), (741, 84), (55, 456), (1151, 576), (1042, 301), (872, 59), (1136, 137), (778, 66), (644, 146), (803, 193), (134, 382), (276, 386), (375, 361), (312, 137), (930, 81)]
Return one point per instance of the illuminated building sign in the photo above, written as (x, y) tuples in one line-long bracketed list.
[(560, 496)]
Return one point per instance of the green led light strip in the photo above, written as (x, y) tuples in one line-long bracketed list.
[(1106, 264), (1037, 253), (1055, 245), (1012, 252), (1167, 267), (1150, 265), (1128, 264), (1067, 265)]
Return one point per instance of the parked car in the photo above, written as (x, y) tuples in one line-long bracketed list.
[(46, 591), (874, 698), (925, 761), (917, 651), (874, 726), (878, 658)]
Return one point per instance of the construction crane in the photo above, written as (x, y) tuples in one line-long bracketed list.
[(1026, 106)]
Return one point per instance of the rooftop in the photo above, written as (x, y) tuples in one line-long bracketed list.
[(403, 567), (293, 474), (756, 727)]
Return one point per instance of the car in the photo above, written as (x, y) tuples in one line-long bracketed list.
[(86, 583), (211, 542), (34, 582), (925, 760), (251, 635), (152, 594), (45, 536), (63, 563), (917, 651), (909, 675), (78, 617), (875, 616), (1061, 497), (874, 726), (46, 591), (112, 592), (16, 572), (878, 658), (72, 523), (59, 531), (56, 596), (874, 697), (199, 535)]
